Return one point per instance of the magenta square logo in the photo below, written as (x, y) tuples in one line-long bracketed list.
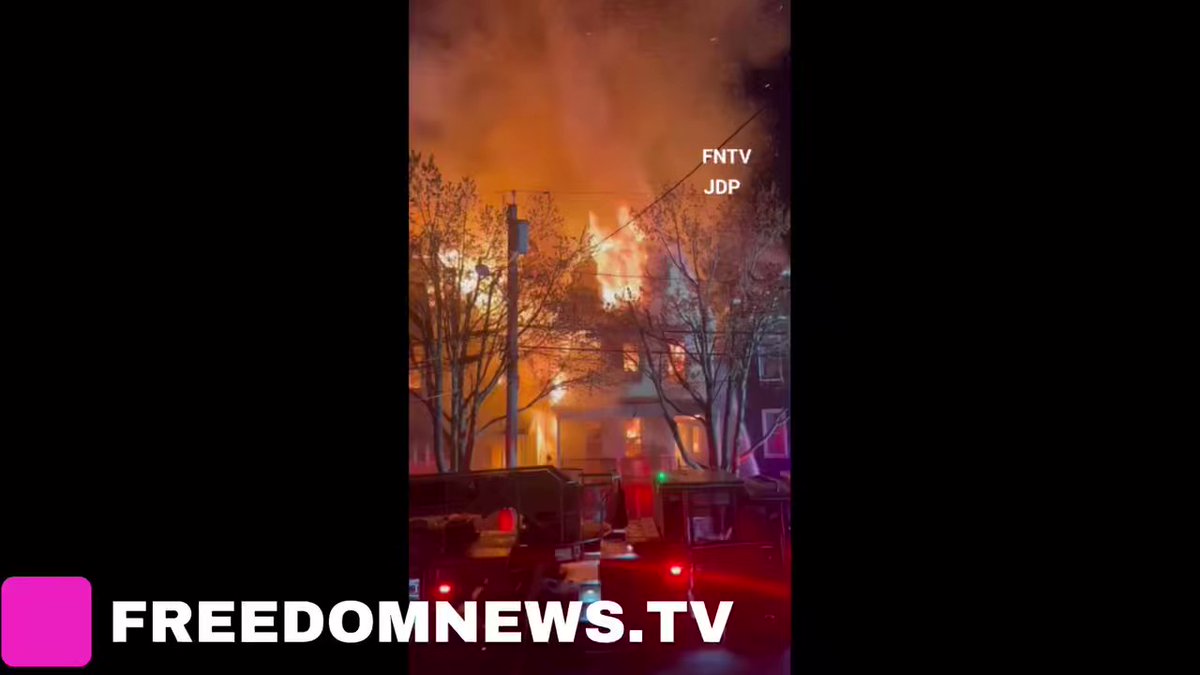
[(46, 622)]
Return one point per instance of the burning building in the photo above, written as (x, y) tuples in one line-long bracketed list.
[(619, 425), (600, 103), (624, 426)]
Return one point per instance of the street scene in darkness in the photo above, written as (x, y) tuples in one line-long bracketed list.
[(599, 324)]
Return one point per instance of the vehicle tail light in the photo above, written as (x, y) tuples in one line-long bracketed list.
[(507, 521)]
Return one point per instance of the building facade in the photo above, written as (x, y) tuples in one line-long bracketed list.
[(620, 426)]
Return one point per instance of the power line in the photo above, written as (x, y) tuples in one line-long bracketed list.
[(608, 350), (614, 274), (602, 350), (667, 378), (632, 193), (675, 331), (669, 190), (680, 181), (617, 274)]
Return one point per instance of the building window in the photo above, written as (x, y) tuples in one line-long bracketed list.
[(777, 445), (770, 367), (711, 516), (630, 358), (691, 433), (673, 523), (678, 362), (685, 437), (633, 438)]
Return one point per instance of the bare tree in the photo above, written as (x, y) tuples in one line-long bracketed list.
[(457, 308), (721, 303)]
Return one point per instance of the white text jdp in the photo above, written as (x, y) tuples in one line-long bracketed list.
[(722, 186)]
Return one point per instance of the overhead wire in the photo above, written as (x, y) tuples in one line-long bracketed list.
[(632, 219)]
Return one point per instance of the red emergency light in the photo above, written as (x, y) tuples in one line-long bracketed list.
[(444, 589), (676, 570), (507, 521)]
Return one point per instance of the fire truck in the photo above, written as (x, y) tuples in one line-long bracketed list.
[(713, 537), (502, 534), (541, 533)]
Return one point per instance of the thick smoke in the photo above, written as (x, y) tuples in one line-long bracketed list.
[(587, 95)]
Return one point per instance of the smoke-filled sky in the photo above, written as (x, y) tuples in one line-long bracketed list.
[(586, 95)]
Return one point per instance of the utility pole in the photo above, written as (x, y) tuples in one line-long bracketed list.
[(518, 243)]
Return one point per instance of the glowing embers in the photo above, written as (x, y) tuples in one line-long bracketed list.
[(620, 256)]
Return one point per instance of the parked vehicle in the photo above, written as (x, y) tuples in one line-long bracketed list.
[(538, 534), (714, 537)]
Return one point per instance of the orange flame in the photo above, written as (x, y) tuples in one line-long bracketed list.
[(620, 258)]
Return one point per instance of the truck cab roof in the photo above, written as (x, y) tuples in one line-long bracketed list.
[(697, 478)]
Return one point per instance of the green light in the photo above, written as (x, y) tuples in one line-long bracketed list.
[(662, 476)]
